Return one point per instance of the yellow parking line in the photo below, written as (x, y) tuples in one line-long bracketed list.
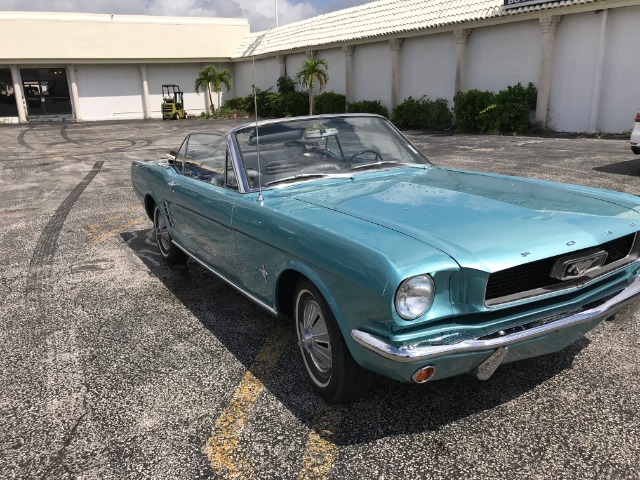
[(121, 228), (222, 448), (91, 228), (321, 451)]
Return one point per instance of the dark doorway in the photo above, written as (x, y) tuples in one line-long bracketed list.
[(46, 91), (8, 107)]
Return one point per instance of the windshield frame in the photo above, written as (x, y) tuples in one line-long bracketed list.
[(237, 151)]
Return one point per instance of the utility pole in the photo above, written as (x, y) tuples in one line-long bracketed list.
[(276, 13)]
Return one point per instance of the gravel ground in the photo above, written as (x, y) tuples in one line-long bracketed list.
[(114, 365)]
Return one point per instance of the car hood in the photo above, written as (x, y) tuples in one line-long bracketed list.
[(483, 221)]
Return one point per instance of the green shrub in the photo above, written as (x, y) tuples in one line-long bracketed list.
[(467, 107), (422, 113), (271, 105), (290, 104), (368, 106), (330, 102), (243, 104), (411, 113), (286, 84), (440, 116), (506, 111)]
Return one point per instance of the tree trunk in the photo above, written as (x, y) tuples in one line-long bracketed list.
[(310, 100), (213, 109)]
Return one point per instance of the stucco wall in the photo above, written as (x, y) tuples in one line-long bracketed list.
[(294, 62), (428, 67), (40, 36), (504, 55), (337, 70), (267, 72), (372, 72), (574, 72), (621, 79)]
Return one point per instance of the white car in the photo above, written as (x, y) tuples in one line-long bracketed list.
[(635, 136)]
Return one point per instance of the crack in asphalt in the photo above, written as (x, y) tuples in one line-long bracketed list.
[(57, 459)]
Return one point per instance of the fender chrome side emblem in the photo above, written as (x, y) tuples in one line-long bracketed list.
[(264, 273)]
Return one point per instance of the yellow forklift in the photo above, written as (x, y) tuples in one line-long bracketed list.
[(172, 102)]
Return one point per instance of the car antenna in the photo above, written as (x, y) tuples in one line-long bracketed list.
[(255, 108)]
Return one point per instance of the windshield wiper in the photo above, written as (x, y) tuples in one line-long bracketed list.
[(293, 178), (381, 163), (306, 176)]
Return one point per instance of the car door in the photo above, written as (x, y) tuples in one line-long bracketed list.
[(203, 197)]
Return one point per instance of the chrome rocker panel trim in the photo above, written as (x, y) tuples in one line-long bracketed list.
[(417, 353), (260, 303)]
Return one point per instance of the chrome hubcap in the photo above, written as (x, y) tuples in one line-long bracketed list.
[(162, 233), (314, 337)]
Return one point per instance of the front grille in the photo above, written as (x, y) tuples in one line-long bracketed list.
[(535, 275)]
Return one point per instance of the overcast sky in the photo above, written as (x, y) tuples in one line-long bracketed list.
[(261, 13)]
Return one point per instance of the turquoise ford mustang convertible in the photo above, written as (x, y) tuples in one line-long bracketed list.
[(385, 262)]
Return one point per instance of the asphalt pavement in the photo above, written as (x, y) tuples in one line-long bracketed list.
[(115, 365)]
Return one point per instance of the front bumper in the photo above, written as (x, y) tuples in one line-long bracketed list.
[(564, 326)]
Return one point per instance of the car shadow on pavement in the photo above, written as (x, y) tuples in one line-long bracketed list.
[(630, 168), (389, 408)]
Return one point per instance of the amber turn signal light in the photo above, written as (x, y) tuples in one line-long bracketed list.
[(424, 374)]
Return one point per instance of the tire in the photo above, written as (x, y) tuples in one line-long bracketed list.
[(330, 368), (170, 253), (635, 149), (176, 116)]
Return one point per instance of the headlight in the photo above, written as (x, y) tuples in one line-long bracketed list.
[(415, 296)]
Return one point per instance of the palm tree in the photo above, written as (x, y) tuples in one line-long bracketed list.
[(212, 76), (313, 69)]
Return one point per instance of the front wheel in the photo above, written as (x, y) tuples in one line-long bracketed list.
[(330, 368), (170, 253)]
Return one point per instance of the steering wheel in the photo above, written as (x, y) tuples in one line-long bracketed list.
[(377, 156)]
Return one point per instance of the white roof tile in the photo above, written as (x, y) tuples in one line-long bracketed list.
[(383, 17)]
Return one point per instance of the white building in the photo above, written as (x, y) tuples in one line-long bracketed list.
[(106, 67), (579, 53)]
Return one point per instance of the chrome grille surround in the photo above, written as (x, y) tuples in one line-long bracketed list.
[(615, 261)]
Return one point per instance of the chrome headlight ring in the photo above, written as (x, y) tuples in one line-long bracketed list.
[(415, 296)]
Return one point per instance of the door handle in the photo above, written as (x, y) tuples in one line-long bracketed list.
[(172, 184)]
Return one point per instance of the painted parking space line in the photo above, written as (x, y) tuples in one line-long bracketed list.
[(117, 216), (118, 230), (112, 225), (321, 451), (223, 447)]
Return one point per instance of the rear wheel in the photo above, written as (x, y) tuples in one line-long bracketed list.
[(330, 368), (170, 253)]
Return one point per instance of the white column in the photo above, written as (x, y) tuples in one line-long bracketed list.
[(17, 90), (75, 98), (597, 87), (282, 61), (146, 104), (395, 44), (462, 35), (546, 66), (348, 60)]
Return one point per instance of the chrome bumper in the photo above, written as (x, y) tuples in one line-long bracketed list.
[(420, 352)]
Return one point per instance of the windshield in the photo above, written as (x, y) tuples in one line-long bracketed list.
[(315, 148)]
